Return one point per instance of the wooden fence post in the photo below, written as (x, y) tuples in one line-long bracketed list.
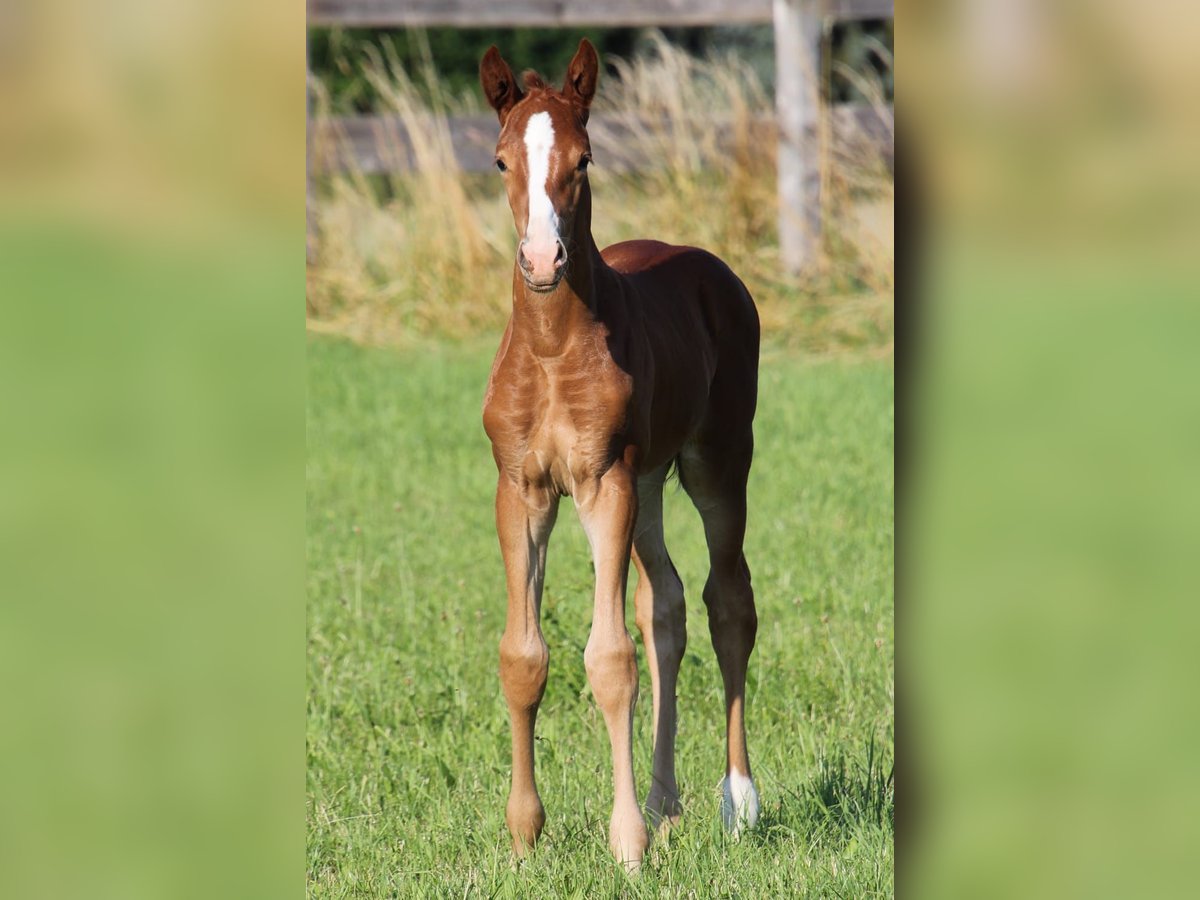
[(310, 203), (797, 107)]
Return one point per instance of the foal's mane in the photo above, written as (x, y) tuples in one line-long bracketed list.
[(533, 81)]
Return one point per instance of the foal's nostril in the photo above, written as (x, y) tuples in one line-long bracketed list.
[(522, 259), (560, 258)]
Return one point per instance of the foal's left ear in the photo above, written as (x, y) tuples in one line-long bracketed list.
[(580, 84)]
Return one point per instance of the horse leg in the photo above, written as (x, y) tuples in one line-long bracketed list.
[(607, 510), (524, 659), (661, 618), (715, 479)]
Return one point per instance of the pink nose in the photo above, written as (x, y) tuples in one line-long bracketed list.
[(543, 260)]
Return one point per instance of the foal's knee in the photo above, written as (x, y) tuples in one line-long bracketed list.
[(611, 664), (524, 665)]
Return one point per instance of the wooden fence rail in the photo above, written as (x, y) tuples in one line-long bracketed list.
[(382, 144), (799, 26), (565, 13)]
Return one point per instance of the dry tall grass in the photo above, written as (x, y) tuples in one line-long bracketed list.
[(431, 251)]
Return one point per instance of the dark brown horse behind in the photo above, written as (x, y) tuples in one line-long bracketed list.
[(614, 366)]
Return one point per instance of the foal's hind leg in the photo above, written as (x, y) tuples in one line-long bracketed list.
[(662, 620), (715, 478)]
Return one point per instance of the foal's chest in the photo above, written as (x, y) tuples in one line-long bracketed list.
[(571, 443), (564, 426)]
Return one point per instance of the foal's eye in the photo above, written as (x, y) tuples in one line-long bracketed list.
[(585, 162), (500, 165)]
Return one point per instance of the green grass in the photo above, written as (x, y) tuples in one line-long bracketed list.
[(407, 743)]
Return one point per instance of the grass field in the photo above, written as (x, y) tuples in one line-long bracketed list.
[(408, 739)]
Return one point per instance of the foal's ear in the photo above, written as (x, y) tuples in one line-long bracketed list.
[(499, 85), (580, 84)]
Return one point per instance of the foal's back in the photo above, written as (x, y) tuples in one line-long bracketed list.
[(686, 294)]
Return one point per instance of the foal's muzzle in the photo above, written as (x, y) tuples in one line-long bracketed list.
[(542, 264)]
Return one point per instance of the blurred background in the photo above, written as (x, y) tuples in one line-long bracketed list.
[(762, 133), (152, 384), (410, 233)]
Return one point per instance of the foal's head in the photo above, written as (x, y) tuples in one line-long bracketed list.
[(543, 153)]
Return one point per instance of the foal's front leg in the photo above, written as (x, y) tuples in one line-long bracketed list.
[(608, 509), (524, 532)]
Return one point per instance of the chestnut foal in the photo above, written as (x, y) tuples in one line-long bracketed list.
[(614, 366)]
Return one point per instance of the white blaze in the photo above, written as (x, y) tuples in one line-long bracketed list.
[(542, 228)]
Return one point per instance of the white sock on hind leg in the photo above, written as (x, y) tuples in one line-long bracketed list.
[(739, 802)]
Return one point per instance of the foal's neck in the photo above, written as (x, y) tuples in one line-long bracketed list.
[(549, 321)]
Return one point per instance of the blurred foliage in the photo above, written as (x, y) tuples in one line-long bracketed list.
[(338, 56), (862, 50)]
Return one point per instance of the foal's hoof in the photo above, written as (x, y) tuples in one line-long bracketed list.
[(663, 811), (525, 820), (739, 803), (628, 840)]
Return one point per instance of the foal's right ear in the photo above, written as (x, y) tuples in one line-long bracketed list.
[(499, 85)]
